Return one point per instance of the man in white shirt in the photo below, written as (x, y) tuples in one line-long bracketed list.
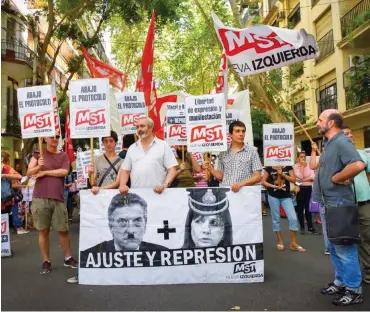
[(150, 162)]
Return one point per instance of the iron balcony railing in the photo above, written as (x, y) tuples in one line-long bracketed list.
[(13, 126), (356, 81), (13, 49), (326, 46), (356, 17)]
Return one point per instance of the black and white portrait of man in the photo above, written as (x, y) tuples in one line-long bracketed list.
[(127, 219)]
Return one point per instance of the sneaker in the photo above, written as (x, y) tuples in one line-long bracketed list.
[(46, 267), (313, 231), (327, 252), (350, 297), (71, 263), (22, 231), (73, 280), (332, 289)]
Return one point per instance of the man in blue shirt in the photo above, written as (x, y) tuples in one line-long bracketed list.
[(362, 185), (339, 163)]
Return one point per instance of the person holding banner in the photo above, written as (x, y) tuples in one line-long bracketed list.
[(150, 162), (277, 181), (106, 167), (48, 205), (186, 168), (240, 165)]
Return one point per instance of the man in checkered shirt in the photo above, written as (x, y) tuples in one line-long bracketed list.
[(240, 165)]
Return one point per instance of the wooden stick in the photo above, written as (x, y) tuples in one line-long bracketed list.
[(26, 219), (183, 154), (92, 177), (290, 111), (40, 148), (208, 174)]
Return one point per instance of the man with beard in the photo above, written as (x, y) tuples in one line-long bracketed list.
[(339, 163), (185, 169), (150, 162)]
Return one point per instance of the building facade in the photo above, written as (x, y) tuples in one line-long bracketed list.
[(340, 77)]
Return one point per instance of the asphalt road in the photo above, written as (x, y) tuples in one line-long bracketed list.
[(292, 282)]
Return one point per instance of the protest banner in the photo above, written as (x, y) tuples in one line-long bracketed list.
[(175, 124), (206, 123), (89, 108), (231, 115), (81, 179), (241, 101), (278, 144), (118, 145), (261, 48), (167, 246), (130, 105), (36, 112), (6, 251), (85, 161)]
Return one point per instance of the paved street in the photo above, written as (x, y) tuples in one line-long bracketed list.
[(292, 282)]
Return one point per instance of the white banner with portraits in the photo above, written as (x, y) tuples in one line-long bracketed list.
[(6, 251), (184, 235)]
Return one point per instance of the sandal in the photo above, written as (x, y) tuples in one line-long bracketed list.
[(280, 247), (298, 248)]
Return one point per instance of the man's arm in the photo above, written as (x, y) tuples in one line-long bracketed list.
[(58, 173), (123, 179), (171, 175), (314, 164), (35, 166), (349, 172), (256, 178)]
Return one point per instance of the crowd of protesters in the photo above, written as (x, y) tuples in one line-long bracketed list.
[(148, 162)]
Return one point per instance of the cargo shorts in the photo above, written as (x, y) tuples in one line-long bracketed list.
[(50, 212)]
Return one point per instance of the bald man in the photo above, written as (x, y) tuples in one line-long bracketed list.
[(339, 164)]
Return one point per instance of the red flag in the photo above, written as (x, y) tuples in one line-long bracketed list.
[(145, 76), (222, 75), (98, 69), (68, 140)]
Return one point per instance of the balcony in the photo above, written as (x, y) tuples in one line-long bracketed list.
[(356, 82), (326, 46), (13, 126), (356, 17), (326, 96)]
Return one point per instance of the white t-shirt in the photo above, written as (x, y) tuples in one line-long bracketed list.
[(149, 168)]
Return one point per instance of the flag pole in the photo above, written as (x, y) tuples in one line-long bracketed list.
[(292, 113), (92, 179), (183, 154), (40, 148)]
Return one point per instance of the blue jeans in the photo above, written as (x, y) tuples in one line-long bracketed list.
[(345, 261), (16, 221), (289, 210)]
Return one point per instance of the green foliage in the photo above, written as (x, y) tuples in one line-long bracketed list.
[(259, 117)]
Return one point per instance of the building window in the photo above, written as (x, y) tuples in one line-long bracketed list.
[(300, 112), (294, 17), (326, 96), (326, 46)]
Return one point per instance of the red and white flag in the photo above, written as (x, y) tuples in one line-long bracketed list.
[(68, 140), (222, 82), (145, 75), (98, 69), (262, 48)]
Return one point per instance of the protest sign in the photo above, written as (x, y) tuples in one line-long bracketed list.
[(36, 112), (240, 101), (118, 145), (175, 124), (278, 144), (81, 179), (130, 105), (6, 251), (261, 48), (168, 247), (89, 108), (55, 108), (85, 160), (231, 115), (206, 123)]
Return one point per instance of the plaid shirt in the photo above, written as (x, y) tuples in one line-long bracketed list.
[(238, 166)]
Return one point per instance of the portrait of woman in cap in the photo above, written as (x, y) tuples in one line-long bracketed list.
[(208, 223)]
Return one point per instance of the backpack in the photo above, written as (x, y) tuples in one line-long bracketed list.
[(6, 190)]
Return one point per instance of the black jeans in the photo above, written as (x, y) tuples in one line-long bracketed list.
[(302, 208)]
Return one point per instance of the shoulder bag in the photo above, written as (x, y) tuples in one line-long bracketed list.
[(342, 222), (112, 167)]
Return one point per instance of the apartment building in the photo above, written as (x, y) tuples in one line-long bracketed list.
[(17, 59), (340, 76)]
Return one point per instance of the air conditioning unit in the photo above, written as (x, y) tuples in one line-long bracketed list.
[(353, 60)]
